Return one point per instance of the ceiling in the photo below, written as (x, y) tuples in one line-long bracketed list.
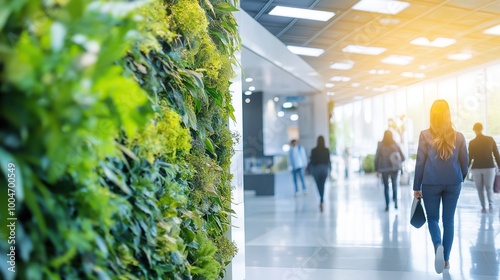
[(462, 20)]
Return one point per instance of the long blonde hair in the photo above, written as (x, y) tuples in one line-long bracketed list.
[(442, 129)]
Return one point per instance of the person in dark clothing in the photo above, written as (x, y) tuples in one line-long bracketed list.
[(388, 162), (320, 167), (482, 153)]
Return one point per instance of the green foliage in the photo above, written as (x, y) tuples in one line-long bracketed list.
[(368, 164), (115, 115)]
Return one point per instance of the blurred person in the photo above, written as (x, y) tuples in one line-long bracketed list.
[(297, 162), (388, 163), (483, 153), (440, 169), (320, 166)]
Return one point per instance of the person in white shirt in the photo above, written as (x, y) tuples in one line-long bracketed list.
[(297, 162)]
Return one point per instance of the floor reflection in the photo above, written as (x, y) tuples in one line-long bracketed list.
[(354, 238)]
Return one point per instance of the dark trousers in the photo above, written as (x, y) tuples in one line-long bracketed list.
[(320, 173), (393, 176)]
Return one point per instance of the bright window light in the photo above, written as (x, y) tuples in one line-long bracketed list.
[(344, 65), (398, 59), (460, 56), (281, 114), (301, 13), (294, 117), (287, 105), (305, 51), (495, 30), (329, 85), (248, 80), (381, 6), (248, 92), (364, 50), (439, 42)]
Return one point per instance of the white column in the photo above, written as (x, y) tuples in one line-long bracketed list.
[(236, 269)]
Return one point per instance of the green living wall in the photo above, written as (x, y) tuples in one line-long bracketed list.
[(115, 150)]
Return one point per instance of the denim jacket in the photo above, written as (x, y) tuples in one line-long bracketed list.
[(430, 169)]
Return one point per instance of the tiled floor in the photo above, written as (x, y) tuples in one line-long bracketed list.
[(287, 238)]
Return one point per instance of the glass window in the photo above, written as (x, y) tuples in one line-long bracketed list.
[(379, 123), (415, 104), (492, 126), (430, 95), (471, 100), (389, 106), (447, 90)]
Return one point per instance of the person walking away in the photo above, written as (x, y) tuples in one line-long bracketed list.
[(320, 167), (297, 162), (483, 153), (388, 162), (440, 168)]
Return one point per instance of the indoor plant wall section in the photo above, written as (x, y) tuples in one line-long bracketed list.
[(116, 121)]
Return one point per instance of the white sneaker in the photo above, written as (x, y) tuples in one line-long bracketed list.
[(439, 261)]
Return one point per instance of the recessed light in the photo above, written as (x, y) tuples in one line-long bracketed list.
[(364, 50), (306, 51), (495, 30), (276, 99), (381, 6), (281, 114), (330, 93), (357, 97), (398, 59), (355, 84), (248, 80), (247, 100), (287, 105), (460, 56), (251, 88), (340, 79), (407, 74), (419, 75), (439, 42), (329, 85), (301, 13), (344, 65), (248, 92), (294, 117)]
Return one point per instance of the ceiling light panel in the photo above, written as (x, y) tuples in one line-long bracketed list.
[(495, 30), (363, 50), (305, 51), (301, 13), (439, 42), (344, 65), (460, 56), (381, 6), (398, 59)]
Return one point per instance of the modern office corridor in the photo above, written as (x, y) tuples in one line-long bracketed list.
[(355, 239)]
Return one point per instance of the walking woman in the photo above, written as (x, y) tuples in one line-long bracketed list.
[(482, 153), (320, 167), (440, 169), (388, 162)]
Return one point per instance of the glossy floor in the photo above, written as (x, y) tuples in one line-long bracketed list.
[(287, 238)]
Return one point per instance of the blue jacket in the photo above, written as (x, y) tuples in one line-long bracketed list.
[(430, 169)]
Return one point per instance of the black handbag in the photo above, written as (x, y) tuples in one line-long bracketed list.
[(417, 218)]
